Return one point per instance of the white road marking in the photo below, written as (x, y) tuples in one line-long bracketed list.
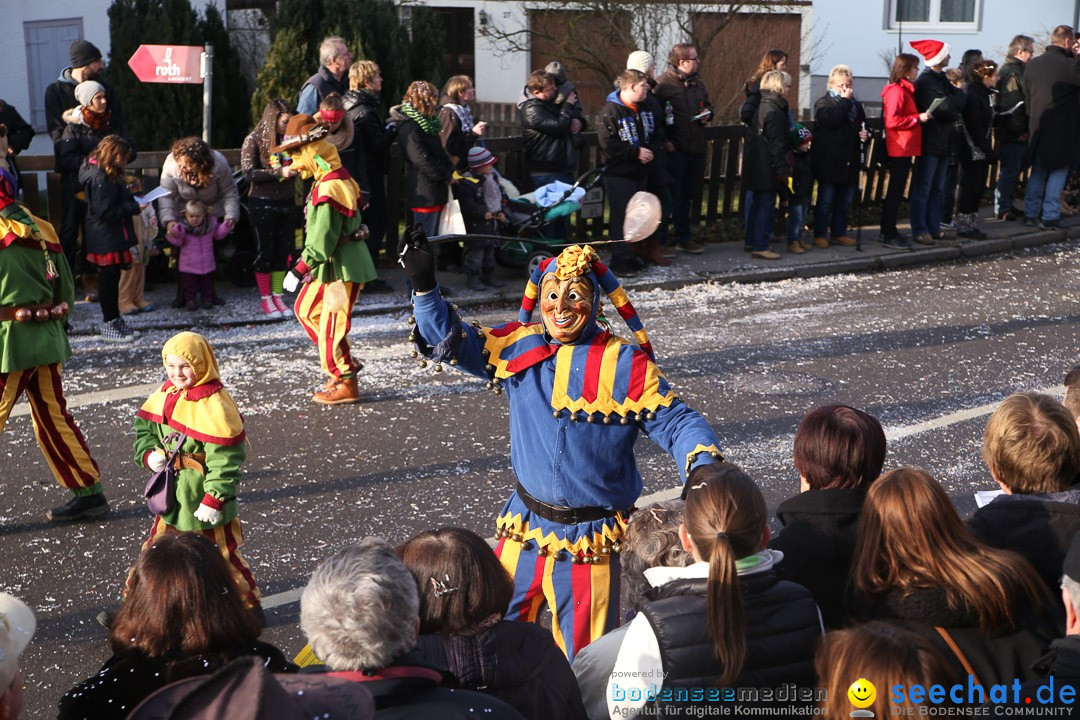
[(96, 397)]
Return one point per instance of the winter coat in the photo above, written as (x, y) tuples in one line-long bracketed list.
[(802, 178), (818, 542), (903, 131), (264, 182), (623, 132), (60, 96), (322, 84), (125, 680), (766, 162), (428, 169), (836, 149), (997, 658), (929, 86), (76, 143), (688, 97), (516, 662), (659, 176), (546, 128), (1014, 126), (748, 110), (1039, 527), (456, 138), (469, 191), (1060, 666), (197, 251), (20, 132), (978, 115), (221, 197), (1052, 91), (109, 211), (364, 110)]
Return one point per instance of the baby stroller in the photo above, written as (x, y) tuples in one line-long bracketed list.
[(526, 244)]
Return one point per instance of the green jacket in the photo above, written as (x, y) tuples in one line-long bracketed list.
[(1010, 87), (22, 282), (330, 259), (223, 463)]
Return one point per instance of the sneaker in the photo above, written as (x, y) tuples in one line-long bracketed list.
[(896, 243), (128, 330), (1030, 221), (378, 285), (77, 508), (843, 241), (268, 306), (766, 255), (950, 225), (691, 247), (1051, 224), (281, 306), (113, 331)]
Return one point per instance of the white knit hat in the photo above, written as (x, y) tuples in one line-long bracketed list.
[(639, 60)]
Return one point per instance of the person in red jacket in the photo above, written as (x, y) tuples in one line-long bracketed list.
[(903, 141)]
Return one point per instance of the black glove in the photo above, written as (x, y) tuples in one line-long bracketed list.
[(415, 255)]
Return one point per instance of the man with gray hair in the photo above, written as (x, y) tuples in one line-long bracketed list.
[(360, 613), (1012, 126), (334, 62)]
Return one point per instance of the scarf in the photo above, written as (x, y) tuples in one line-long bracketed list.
[(98, 122), (852, 114), (342, 138), (202, 229), (205, 411), (464, 115), (430, 124)]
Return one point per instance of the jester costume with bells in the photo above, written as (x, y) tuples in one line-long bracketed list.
[(335, 262), (202, 422), (36, 292), (579, 396)]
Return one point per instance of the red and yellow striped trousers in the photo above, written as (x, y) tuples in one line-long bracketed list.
[(329, 330), (59, 437), (228, 538)]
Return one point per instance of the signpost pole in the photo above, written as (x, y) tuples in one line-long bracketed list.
[(207, 89)]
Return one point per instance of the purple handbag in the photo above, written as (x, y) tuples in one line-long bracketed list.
[(161, 487)]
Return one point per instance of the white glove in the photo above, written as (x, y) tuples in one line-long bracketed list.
[(292, 282), (208, 515), (156, 461)]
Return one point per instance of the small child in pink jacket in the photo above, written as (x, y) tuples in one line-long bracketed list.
[(195, 236)]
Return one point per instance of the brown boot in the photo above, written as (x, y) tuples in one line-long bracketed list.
[(345, 391), (651, 251)]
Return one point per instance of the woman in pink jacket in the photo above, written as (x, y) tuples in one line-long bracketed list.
[(195, 235), (903, 141)]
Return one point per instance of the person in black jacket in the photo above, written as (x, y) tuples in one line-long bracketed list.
[(839, 452), (364, 110), (86, 64), (1032, 450), (628, 143), (464, 593), (977, 152), (110, 230), (546, 126), (87, 123), (839, 130), (944, 103), (766, 163), (460, 132), (1011, 125), (19, 133)]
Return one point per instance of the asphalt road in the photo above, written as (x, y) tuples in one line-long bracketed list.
[(927, 350)]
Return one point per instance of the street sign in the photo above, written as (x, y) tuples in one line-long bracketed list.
[(168, 64), (592, 205)]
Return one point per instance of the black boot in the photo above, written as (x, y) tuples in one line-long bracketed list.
[(87, 506), (472, 280), (489, 278)]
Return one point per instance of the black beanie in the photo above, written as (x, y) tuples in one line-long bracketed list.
[(82, 53)]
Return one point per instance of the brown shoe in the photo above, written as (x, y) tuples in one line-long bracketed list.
[(795, 248), (766, 254), (345, 391), (655, 257), (924, 239), (843, 240), (821, 242), (805, 245), (668, 251)]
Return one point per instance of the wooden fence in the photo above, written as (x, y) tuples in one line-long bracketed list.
[(721, 190)]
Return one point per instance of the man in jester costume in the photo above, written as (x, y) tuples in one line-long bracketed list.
[(579, 396), (335, 263), (36, 293)]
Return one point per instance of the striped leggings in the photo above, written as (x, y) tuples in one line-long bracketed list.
[(228, 538), (328, 329), (60, 439)]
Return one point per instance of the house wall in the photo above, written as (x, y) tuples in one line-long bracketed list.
[(853, 33)]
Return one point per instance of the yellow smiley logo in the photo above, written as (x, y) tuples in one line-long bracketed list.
[(862, 693)]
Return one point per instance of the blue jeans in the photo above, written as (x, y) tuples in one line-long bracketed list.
[(795, 220), (687, 170), (429, 222), (1011, 156), (759, 228), (927, 191), (830, 210), (1044, 189)]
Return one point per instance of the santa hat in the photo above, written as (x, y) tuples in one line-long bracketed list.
[(934, 52)]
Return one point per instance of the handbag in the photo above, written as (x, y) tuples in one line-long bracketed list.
[(160, 489), (451, 221)]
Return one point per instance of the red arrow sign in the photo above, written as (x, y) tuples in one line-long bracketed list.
[(167, 64)]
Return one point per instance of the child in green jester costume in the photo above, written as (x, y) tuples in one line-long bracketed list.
[(579, 396), (36, 293)]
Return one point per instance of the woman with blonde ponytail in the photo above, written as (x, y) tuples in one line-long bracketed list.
[(760, 631)]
